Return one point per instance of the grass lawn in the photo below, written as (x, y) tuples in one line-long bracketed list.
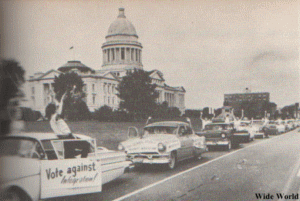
[(108, 134)]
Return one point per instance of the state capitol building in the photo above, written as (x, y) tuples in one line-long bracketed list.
[(121, 53)]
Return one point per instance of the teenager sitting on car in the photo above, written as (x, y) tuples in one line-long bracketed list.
[(58, 125)]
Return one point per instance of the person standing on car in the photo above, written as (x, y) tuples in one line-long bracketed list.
[(204, 121), (57, 123)]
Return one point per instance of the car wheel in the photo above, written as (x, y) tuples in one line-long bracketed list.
[(15, 195), (173, 161), (197, 156)]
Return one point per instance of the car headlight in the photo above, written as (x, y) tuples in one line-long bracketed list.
[(121, 147), (161, 147), (223, 135)]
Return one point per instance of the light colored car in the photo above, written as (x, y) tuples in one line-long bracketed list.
[(274, 128), (244, 131), (258, 128), (38, 166), (165, 142)]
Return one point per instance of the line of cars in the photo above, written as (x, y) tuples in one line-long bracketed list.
[(61, 167), (168, 142)]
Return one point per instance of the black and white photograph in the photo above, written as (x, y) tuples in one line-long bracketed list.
[(149, 100)]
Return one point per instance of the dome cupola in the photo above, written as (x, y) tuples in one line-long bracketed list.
[(122, 51), (121, 26)]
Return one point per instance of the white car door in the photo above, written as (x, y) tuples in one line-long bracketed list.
[(64, 177)]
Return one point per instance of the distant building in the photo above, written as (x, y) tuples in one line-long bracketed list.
[(121, 53), (238, 98)]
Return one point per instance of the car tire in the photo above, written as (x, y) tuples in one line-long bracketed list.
[(197, 156), (173, 161), (15, 195)]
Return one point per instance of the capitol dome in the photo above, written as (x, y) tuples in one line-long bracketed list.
[(121, 26)]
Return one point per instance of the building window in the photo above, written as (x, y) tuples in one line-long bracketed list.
[(108, 55), (136, 54), (123, 53), (94, 99), (108, 86), (93, 87), (113, 89), (132, 54), (104, 87), (113, 54), (32, 90)]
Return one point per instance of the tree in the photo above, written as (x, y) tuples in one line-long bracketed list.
[(137, 94), (11, 79), (74, 107), (65, 82), (104, 114)]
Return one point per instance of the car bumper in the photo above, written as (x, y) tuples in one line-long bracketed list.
[(216, 143), (149, 159), (259, 135), (241, 137)]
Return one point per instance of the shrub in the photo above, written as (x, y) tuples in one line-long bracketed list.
[(30, 115)]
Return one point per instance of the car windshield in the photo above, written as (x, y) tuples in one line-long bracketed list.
[(160, 130), (218, 127)]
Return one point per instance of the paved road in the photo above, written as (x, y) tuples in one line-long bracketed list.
[(269, 167), (263, 166)]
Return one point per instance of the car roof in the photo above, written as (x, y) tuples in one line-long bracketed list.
[(221, 123), (167, 124), (41, 136)]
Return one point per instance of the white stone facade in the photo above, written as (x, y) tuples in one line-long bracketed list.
[(121, 53)]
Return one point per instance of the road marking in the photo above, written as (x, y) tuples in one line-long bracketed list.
[(189, 170)]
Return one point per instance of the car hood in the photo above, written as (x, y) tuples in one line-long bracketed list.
[(15, 167), (149, 143)]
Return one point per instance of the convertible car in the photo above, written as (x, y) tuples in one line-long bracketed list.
[(37, 166), (164, 142)]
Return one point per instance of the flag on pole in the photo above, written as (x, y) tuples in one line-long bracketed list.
[(71, 47)]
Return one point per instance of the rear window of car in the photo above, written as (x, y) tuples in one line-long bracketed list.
[(16, 147)]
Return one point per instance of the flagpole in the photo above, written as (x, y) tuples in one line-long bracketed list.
[(72, 48)]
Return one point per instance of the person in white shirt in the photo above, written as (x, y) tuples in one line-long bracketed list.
[(204, 121), (237, 120), (58, 125)]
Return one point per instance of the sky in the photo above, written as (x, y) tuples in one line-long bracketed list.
[(210, 47)]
